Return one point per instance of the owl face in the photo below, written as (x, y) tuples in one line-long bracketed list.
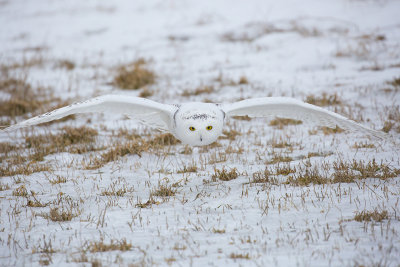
[(199, 126)]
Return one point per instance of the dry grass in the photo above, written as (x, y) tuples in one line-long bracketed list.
[(328, 131), (307, 176), (324, 100), (224, 175), (186, 169), (395, 82), (113, 190), (118, 150), (146, 92), (282, 122), (242, 118), (375, 215), (57, 215), (12, 170), (349, 172), (264, 177), (148, 203), (58, 180), (205, 89), (163, 191), (230, 134), (279, 159), (20, 191), (134, 76), (35, 203), (25, 98), (162, 140), (100, 246), (243, 80), (65, 64), (240, 256), (74, 140), (4, 187), (363, 145)]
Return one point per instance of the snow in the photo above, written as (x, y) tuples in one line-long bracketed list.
[(296, 49)]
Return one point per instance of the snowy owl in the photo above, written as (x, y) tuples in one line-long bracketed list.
[(200, 124)]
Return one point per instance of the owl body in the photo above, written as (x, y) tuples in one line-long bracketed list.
[(200, 124)]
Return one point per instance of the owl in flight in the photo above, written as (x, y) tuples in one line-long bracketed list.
[(200, 124)]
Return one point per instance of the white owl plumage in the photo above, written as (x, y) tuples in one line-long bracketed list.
[(198, 123)]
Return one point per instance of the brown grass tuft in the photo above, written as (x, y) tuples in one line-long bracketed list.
[(308, 176), (118, 150), (12, 170), (230, 135), (163, 191), (375, 215), (224, 175), (65, 64), (165, 139), (20, 191), (206, 89), (100, 246), (264, 177), (349, 172), (327, 130), (134, 76), (279, 158), (145, 93), (57, 215), (239, 256), (324, 100), (282, 122), (185, 169)]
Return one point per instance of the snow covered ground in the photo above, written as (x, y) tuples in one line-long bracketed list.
[(342, 54)]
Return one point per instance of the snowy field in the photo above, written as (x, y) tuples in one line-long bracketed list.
[(102, 190)]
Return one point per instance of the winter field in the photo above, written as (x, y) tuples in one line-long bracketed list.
[(102, 190)]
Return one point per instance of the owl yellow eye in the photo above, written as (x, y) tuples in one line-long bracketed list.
[(192, 128), (209, 128)]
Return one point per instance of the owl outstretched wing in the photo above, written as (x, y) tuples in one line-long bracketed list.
[(149, 112), (295, 109)]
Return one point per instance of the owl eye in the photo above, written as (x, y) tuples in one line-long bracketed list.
[(209, 128), (192, 128)]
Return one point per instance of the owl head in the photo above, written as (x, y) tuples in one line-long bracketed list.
[(199, 124)]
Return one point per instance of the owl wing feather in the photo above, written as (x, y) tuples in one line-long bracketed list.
[(295, 109), (149, 112)]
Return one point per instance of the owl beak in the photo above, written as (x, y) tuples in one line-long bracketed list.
[(201, 138)]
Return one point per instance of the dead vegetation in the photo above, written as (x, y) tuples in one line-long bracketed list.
[(375, 215), (65, 64), (118, 191), (101, 246), (328, 130), (24, 98), (163, 191), (245, 256), (71, 139), (324, 100), (230, 134), (264, 177), (134, 76), (205, 89), (63, 209), (282, 122), (186, 169), (349, 172), (224, 174), (306, 176)]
